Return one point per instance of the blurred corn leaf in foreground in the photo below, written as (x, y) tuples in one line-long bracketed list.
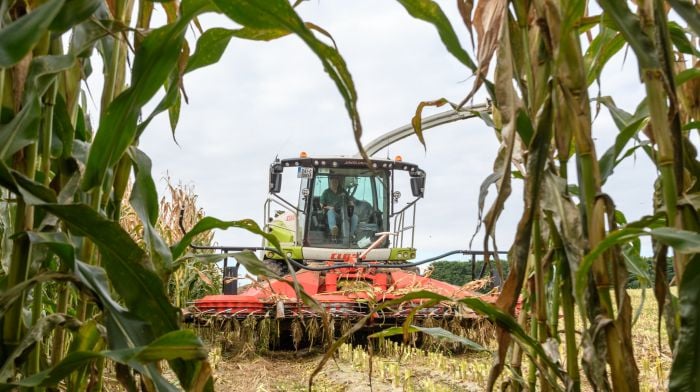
[(79, 293), (573, 252)]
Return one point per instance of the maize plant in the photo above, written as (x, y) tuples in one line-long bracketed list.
[(77, 292), (95, 297), (574, 249)]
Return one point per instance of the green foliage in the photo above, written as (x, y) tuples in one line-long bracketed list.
[(439, 333), (460, 272), (686, 366), (62, 187), (454, 272), (60, 206), (21, 35), (573, 248), (62, 225)]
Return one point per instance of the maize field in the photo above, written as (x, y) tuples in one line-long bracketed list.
[(404, 367), (91, 292)]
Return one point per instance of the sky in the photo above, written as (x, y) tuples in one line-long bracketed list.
[(268, 99)]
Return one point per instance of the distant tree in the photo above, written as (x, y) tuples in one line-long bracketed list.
[(454, 272), (460, 272)]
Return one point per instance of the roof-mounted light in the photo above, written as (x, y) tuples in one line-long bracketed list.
[(398, 158), (303, 154)]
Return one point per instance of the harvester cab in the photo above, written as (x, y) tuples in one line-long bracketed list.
[(347, 207)]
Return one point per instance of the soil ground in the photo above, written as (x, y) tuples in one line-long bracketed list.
[(412, 369), (347, 373)]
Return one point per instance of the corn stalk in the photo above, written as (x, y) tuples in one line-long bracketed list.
[(542, 114), (63, 186)]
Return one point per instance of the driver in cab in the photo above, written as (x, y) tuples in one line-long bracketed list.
[(332, 201)]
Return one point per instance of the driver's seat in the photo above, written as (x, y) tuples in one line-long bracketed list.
[(318, 215)]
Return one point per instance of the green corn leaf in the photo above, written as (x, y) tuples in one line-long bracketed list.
[(208, 258), (212, 44), (126, 330), (32, 192), (183, 344), (686, 75), (156, 58), (680, 40), (621, 117), (210, 48), (682, 241), (688, 12), (421, 294), (507, 322), (278, 15), (139, 286), (603, 47), (85, 35), (523, 126), (254, 265), (260, 35), (429, 11), (629, 25), (609, 159), (144, 200), (39, 331), (637, 265), (174, 109), (209, 223), (20, 36), (168, 101), (23, 129), (88, 338), (72, 13), (439, 333), (685, 371), (9, 296), (691, 125), (50, 377), (178, 344), (63, 130)]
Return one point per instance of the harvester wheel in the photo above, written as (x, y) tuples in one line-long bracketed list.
[(277, 266)]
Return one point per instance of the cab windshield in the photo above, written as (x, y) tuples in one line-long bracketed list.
[(348, 206)]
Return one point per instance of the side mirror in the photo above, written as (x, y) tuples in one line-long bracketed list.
[(418, 185), (275, 178)]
